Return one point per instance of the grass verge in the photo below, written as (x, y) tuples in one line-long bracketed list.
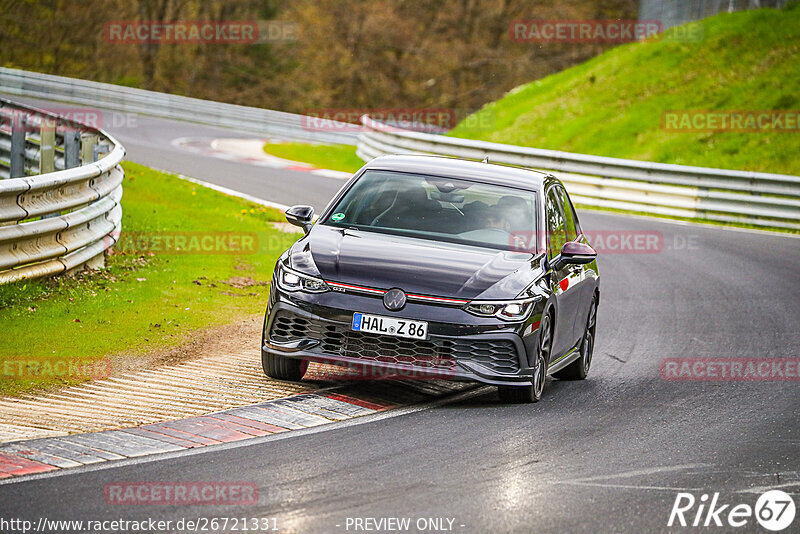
[(188, 258), (333, 157)]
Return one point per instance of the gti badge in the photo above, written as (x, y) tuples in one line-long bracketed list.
[(394, 299)]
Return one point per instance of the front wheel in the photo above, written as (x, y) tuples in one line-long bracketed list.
[(281, 367), (533, 392)]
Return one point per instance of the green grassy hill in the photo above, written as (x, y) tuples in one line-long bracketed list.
[(613, 104)]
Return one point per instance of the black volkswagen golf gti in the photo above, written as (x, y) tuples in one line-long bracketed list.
[(439, 268)]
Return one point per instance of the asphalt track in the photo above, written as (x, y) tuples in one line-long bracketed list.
[(608, 454)]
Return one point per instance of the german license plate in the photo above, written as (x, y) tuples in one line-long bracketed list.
[(377, 324)]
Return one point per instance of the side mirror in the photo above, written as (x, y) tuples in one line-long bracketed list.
[(576, 253), (301, 216)]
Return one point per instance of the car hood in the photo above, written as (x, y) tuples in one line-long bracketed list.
[(415, 265)]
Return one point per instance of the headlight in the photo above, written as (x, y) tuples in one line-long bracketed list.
[(508, 311), (290, 280)]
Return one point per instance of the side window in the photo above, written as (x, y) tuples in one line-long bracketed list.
[(569, 215), (556, 235)]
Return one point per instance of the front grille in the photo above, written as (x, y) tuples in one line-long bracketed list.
[(287, 327), (393, 350), (498, 355)]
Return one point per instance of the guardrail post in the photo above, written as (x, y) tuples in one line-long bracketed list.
[(34, 212), (87, 147), (47, 148), (100, 149), (72, 148), (17, 163), (98, 262)]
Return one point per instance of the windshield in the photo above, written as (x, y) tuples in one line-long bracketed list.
[(439, 209)]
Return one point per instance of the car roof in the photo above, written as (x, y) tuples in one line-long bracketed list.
[(490, 173)]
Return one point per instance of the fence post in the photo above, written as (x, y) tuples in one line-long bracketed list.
[(72, 148), (17, 163), (87, 148), (47, 146), (100, 151)]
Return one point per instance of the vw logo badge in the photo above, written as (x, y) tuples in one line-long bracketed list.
[(394, 299)]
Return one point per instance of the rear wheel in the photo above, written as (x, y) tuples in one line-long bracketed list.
[(533, 392), (579, 369), (281, 367)]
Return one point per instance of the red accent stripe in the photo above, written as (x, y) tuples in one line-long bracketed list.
[(149, 432), (238, 427), (208, 427), (162, 428), (16, 466), (383, 292), (439, 299), (339, 284), (250, 423)]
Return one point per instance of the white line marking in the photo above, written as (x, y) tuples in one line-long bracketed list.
[(627, 486), (640, 472), (762, 489), (598, 480), (230, 192), (250, 152), (327, 173)]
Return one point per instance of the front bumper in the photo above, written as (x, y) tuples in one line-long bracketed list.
[(317, 328)]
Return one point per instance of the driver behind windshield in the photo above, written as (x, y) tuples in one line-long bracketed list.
[(495, 218)]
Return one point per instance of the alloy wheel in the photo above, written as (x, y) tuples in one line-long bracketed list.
[(545, 345), (588, 337)]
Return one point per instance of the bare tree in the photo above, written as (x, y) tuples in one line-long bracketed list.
[(155, 11)]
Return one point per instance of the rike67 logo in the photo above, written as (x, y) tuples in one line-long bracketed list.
[(774, 510)]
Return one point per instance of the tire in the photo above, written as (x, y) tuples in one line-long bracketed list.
[(533, 392), (579, 369), (280, 367)]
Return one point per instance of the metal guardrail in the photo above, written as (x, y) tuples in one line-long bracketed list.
[(127, 99), (59, 204), (754, 198), (760, 199)]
